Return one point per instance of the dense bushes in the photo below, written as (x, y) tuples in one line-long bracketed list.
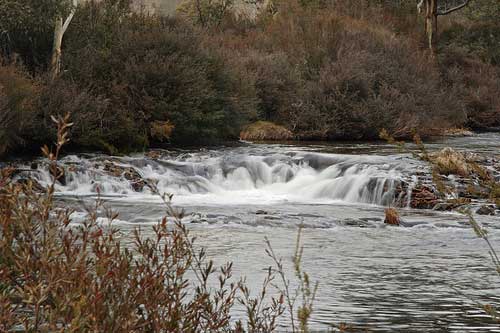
[(17, 93), (327, 76), (125, 73), (324, 70), (159, 74), (154, 69)]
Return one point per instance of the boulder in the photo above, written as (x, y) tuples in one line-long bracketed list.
[(423, 197), (129, 173), (451, 204), (486, 210)]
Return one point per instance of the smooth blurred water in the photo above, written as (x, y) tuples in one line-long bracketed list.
[(372, 276)]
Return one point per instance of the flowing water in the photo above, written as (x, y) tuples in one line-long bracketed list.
[(373, 276)]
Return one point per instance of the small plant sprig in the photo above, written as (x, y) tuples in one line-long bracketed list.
[(305, 289)]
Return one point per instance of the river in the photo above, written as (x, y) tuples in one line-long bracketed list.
[(372, 276)]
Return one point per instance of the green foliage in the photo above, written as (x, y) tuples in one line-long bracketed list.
[(29, 26), (155, 70)]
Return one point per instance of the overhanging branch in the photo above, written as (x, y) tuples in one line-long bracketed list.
[(453, 9)]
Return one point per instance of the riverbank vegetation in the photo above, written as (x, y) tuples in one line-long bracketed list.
[(323, 70)]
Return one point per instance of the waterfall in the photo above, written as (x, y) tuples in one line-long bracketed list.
[(236, 177)]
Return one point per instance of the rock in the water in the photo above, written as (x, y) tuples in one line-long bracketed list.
[(261, 212), (486, 210), (392, 217), (451, 204), (423, 197), (129, 173), (59, 174)]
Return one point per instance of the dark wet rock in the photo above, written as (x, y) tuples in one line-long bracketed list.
[(486, 210), (407, 224), (59, 174), (32, 183), (138, 184), (424, 196), (350, 222), (444, 206), (129, 173), (451, 204), (371, 219), (261, 212), (154, 154)]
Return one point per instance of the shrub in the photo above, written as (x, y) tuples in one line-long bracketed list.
[(156, 70), (326, 76), (97, 124), (29, 29), (449, 161), (264, 130), (17, 94), (476, 84)]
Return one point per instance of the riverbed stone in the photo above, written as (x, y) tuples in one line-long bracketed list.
[(486, 210), (129, 173), (423, 197)]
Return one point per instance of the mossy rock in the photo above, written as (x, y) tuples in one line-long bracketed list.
[(265, 131)]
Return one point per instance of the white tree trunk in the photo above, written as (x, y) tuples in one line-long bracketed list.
[(55, 63), (59, 30)]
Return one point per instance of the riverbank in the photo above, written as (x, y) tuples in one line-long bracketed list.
[(140, 81)]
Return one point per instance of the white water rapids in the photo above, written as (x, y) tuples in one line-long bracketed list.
[(240, 178)]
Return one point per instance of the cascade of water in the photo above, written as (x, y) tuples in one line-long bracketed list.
[(293, 177)]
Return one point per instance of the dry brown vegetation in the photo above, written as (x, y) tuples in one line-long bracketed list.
[(265, 130), (392, 216), (449, 161)]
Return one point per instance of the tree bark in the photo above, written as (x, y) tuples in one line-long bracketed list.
[(59, 30), (55, 63), (431, 22)]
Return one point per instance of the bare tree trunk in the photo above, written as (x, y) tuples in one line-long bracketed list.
[(55, 63), (432, 11), (59, 30), (431, 22)]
